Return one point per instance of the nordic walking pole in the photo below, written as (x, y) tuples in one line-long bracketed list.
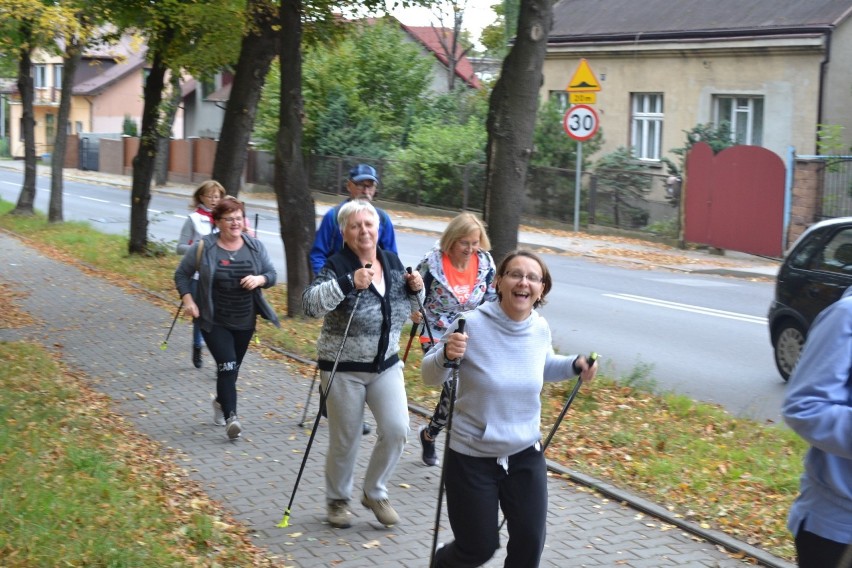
[(592, 359), (414, 327), (165, 344), (423, 313), (285, 521), (453, 387), (310, 392)]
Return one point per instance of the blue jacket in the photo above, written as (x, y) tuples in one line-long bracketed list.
[(329, 240), (818, 406)]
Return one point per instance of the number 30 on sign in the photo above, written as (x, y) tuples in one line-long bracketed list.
[(580, 122)]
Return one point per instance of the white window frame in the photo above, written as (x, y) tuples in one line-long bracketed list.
[(57, 76), (646, 126), (745, 117), (40, 76)]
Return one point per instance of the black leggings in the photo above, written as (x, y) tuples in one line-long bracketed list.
[(476, 487), (228, 347), (442, 410), (817, 552)]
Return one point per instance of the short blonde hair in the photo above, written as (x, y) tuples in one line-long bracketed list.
[(461, 226), (351, 208)]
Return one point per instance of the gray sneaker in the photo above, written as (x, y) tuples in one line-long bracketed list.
[(233, 428), (382, 509), (218, 414), (339, 514)]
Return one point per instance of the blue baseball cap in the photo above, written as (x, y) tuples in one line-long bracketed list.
[(363, 172)]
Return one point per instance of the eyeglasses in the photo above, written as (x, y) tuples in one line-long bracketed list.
[(515, 275), (365, 185), (232, 220)]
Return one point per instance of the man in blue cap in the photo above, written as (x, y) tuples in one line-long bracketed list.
[(363, 183)]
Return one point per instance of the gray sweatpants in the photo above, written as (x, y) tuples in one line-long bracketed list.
[(385, 395)]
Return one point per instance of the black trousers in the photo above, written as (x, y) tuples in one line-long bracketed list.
[(476, 487), (228, 347), (817, 552)]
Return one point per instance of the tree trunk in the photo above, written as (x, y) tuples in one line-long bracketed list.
[(143, 162), (510, 125), (26, 199), (259, 47), (73, 54), (295, 205), (164, 138)]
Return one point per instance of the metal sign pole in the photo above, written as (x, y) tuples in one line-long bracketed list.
[(577, 187)]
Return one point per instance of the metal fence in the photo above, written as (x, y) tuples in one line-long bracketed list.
[(836, 186), (549, 193)]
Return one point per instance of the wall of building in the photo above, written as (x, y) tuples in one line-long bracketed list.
[(688, 76), (838, 85)]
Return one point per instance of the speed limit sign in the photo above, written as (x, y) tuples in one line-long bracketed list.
[(580, 122)]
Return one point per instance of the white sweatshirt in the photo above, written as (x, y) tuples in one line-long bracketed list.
[(498, 408)]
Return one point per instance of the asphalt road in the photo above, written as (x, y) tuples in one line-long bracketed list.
[(699, 335)]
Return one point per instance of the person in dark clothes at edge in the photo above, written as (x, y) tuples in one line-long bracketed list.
[(367, 286), (233, 268), (363, 183), (495, 458), (818, 407)]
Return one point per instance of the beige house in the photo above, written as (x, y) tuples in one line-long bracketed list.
[(773, 69), (107, 87)]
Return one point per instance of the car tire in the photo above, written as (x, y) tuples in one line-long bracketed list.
[(788, 346)]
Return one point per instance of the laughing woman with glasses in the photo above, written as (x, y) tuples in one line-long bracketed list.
[(233, 267), (495, 460)]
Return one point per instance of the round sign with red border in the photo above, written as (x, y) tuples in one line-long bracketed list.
[(580, 122)]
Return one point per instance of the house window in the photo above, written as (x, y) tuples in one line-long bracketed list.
[(79, 126), (57, 76), (745, 117), (208, 87), (561, 98), (646, 132), (40, 76), (49, 127)]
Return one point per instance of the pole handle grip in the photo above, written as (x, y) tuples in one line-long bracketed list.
[(454, 364)]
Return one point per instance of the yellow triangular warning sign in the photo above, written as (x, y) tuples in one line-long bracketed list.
[(583, 81)]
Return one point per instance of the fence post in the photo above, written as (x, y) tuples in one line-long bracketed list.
[(593, 197)]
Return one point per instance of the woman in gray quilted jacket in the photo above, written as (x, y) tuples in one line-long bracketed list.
[(369, 371)]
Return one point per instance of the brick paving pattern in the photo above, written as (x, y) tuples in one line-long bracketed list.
[(113, 336)]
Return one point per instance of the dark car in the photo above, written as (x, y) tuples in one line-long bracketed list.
[(816, 272)]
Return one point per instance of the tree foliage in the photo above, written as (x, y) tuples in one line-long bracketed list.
[(25, 26), (717, 137), (181, 35), (361, 89)]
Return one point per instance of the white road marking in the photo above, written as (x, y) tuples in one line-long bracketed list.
[(689, 308)]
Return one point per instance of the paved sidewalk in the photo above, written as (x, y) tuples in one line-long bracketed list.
[(113, 337)]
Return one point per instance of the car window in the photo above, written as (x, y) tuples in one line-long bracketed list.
[(808, 255), (837, 254)]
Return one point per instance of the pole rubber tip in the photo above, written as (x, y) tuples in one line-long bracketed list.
[(285, 522), (164, 346)]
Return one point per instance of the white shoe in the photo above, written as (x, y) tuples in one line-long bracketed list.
[(218, 414), (233, 428)]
